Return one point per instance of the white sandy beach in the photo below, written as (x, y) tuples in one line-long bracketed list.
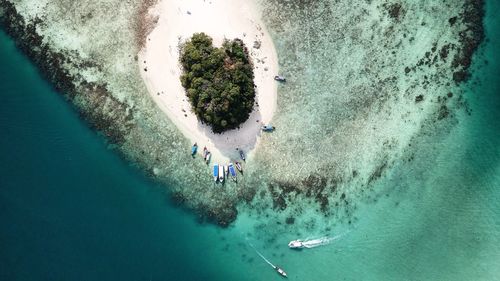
[(160, 68)]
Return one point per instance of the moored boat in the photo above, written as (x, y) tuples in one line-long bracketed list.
[(238, 166), (226, 171), (194, 148), (280, 78), (267, 128), (232, 171), (205, 152), (216, 172), (242, 155), (221, 173), (207, 158)]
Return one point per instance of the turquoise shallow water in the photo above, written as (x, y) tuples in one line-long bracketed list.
[(70, 209)]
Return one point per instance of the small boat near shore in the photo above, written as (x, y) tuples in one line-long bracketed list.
[(221, 173), (216, 172), (207, 157), (232, 171), (238, 166), (194, 148), (242, 155), (279, 78), (267, 128)]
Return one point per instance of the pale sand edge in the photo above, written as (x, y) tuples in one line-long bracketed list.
[(178, 20)]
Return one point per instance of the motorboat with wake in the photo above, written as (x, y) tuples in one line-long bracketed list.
[(311, 243), (276, 268)]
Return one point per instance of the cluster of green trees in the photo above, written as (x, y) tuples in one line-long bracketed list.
[(218, 81)]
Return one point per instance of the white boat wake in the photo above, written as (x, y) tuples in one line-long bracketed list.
[(313, 243), (275, 267)]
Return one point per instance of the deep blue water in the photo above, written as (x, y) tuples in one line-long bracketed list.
[(71, 209)]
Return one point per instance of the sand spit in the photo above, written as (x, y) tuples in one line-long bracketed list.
[(368, 80), (160, 68)]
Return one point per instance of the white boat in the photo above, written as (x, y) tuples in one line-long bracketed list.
[(207, 158), (296, 244), (268, 128), (280, 78), (280, 271), (221, 173), (311, 243)]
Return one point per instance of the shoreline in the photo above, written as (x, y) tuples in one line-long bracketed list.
[(160, 68)]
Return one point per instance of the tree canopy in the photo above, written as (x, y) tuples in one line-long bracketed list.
[(218, 81)]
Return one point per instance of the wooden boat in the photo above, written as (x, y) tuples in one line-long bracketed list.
[(216, 172), (194, 148), (238, 166), (232, 171), (205, 152), (279, 78), (280, 271), (267, 128), (221, 173), (207, 158)]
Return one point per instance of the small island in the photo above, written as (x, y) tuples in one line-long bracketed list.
[(218, 81)]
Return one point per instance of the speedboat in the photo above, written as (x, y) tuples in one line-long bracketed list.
[(194, 148), (296, 244), (221, 173), (232, 171), (267, 128), (216, 172), (280, 271), (238, 166), (280, 78), (242, 155)]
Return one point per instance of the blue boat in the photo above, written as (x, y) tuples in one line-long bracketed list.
[(232, 171), (194, 148), (268, 128), (216, 172)]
